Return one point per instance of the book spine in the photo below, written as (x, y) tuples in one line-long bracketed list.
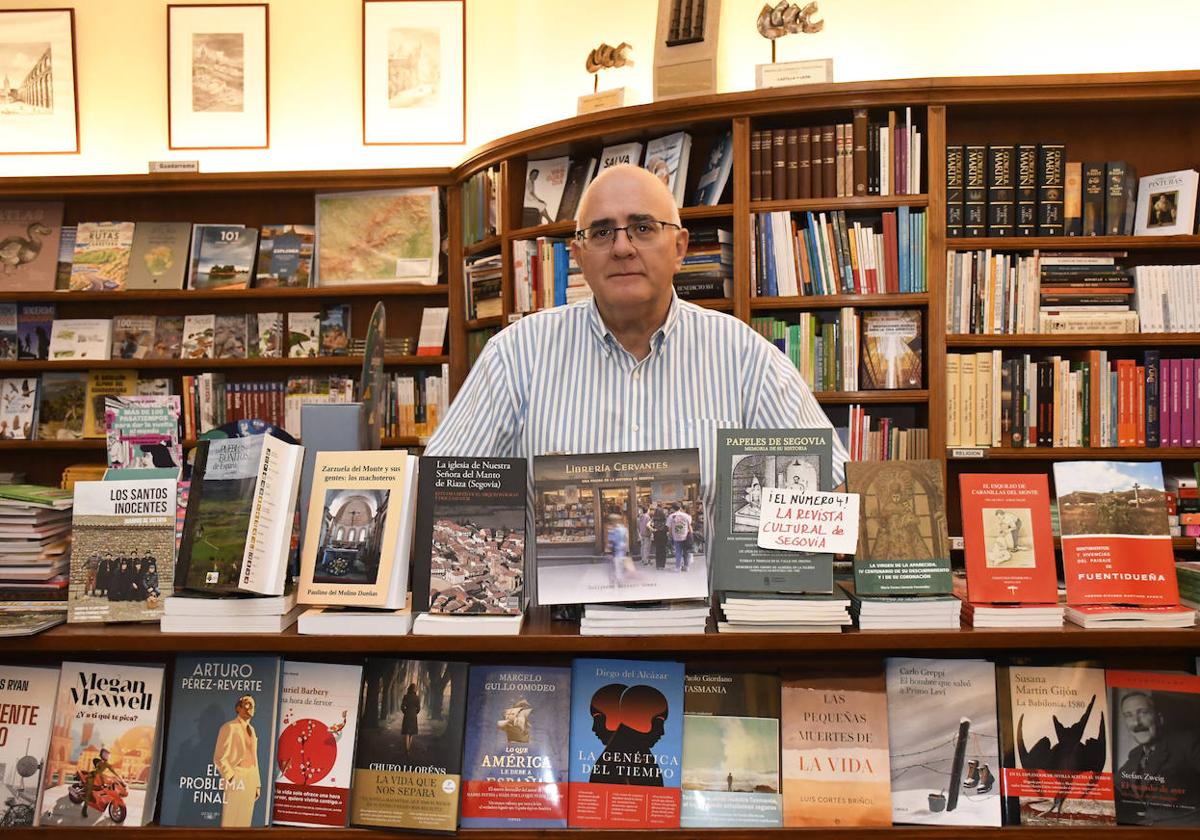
[(791, 148), (1176, 426), (1026, 192), (1001, 191), (975, 191), (816, 164), (804, 162), (1116, 197), (1129, 190), (1073, 199), (756, 166), (1051, 182), (1093, 199), (859, 138), (953, 399), (955, 160), (828, 162), (1139, 405), (839, 146), (779, 164), (1187, 393), (1151, 363)]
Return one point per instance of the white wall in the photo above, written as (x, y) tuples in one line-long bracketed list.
[(526, 65)]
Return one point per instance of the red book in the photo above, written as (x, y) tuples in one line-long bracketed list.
[(1093, 407), (1164, 401), (1007, 537), (1139, 404), (1125, 433), (1187, 380), (1116, 543), (890, 259)]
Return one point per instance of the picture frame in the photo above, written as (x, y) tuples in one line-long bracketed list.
[(218, 76), (39, 105), (414, 72), (685, 49)]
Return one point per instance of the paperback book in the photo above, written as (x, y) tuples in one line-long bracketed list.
[(159, 258), (265, 335), (132, 336), (101, 259), (221, 745), (711, 186), (229, 337), (102, 384), (35, 322), (891, 349), (81, 338), (285, 255), (9, 338), (544, 184), (31, 230), (222, 256), (199, 335), (18, 408), (143, 432), (27, 698), (335, 330), (168, 337), (667, 158), (304, 329), (1007, 538), (61, 405)]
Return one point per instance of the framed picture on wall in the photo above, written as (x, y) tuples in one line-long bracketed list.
[(218, 76), (39, 113), (414, 72)]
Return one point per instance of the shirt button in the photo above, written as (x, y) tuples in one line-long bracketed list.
[(637, 374), (636, 427)]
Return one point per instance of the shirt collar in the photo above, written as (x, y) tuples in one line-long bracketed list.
[(604, 335)]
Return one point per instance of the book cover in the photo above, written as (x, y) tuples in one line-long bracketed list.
[(18, 408), (891, 349), (102, 384), (630, 153), (101, 259), (1093, 199), (975, 191), (1120, 180), (1027, 192), (578, 177), (1007, 538), (35, 322), (304, 329), (159, 255), (133, 336), (586, 508), (29, 236), (667, 159), (944, 741), (545, 181), (626, 744), (470, 536), (1156, 747), (835, 751), (515, 756), (335, 330), (143, 432), (903, 545), (60, 406), (285, 255), (1001, 191), (1166, 204), (1056, 730), (749, 461), (359, 529), (318, 722), (229, 337), (407, 768), (199, 334), (1116, 543), (1051, 181), (123, 549), (710, 187), (9, 337), (168, 337), (81, 338), (27, 698), (955, 184), (264, 338), (731, 750), (66, 256), (221, 742), (107, 731), (221, 256)]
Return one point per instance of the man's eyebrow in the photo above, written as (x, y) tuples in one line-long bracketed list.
[(605, 222)]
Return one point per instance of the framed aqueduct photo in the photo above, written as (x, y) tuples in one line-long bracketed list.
[(39, 113)]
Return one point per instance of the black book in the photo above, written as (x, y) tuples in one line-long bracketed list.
[(955, 209), (1001, 191), (1151, 363), (579, 175), (1120, 202), (1027, 193), (975, 191), (1045, 403), (1093, 199), (1051, 180), (1018, 402)]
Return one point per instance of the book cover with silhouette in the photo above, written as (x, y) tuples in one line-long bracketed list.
[(515, 756), (626, 744), (35, 323), (944, 741), (102, 768), (1056, 728), (221, 742), (1156, 747), (29, 234), (314, 753), (749, 461), (27, 698), (731, 750), (834, 747), (408, 764), (1007, 538)]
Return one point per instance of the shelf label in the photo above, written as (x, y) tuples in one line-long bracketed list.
[(956, 544), (162, 166), (968, 452)]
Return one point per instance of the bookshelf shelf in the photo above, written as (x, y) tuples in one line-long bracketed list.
[(1074, 453), (1075, 243), (1090, 340), (276, 293), (719, 304), (85, 444), (484, 323), (824, 205), (491, 243), (185, 365), (897, 301), (872, 397), (706, 211)]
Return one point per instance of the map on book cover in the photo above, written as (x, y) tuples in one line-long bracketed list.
[(378, 236)]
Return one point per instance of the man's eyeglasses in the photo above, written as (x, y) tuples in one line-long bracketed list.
[(601, 238)]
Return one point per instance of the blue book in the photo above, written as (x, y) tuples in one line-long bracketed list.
[(769, 258), (626, 744), (904, 244), (560, 273), (514, 772), (221, 742)]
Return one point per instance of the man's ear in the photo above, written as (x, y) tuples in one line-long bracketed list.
[(573, 245), (681, 243)]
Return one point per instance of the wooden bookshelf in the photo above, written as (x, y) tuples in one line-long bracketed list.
[(873, 397), (199, 365), (1069, 340), (283, 293), (849, 204), (1075, 243), (808, 302), (1074, 453), (894, 833)]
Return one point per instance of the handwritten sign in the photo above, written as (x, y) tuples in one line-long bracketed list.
[(805, 521)]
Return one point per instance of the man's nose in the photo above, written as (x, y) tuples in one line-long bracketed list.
[(622, 245)]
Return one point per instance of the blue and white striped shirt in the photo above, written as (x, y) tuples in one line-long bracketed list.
[(558, 381)]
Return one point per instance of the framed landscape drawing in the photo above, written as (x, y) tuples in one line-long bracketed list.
[(414, 72), (38, 110), (217, 77)]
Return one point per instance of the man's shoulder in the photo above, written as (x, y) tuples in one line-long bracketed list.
[(703, 323)]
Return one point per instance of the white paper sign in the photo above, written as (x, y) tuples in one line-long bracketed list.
[(800, 521)]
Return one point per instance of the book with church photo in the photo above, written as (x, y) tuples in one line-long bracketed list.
[(891, 349)]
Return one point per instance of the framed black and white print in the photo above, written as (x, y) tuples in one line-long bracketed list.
[(218, 76), (39, 113)]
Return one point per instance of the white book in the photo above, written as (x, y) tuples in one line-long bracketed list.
[(27, 695), (340, 621), (432, 336), (545, 181), (197, 606), (1166, 203), (81, 338), (245, 624), (729, 627), (198, 334), (630, 153), (428, 624), (269, 534), (667, 157)]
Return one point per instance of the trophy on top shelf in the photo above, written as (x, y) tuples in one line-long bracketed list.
[(605, 57), (786, 18)]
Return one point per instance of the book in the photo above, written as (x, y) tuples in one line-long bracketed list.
[(710, 187), (1073, 199), (159, 255), (515, 758), (626, 744), (579, 176), (285, 255), (903, 545), (1093, 199), (469, 556), (102, 384), (304, 329), (168, 337), (975, 191), (1116, 543), (81, 338), (61, 401), (318, 722), (35, 322), (27, 697), (1166, 204), (750, 461), (66, 256), (143, 432), (944, 771), (731, 750), (667, 158), (29, 236), (630, 153), (955, 174), (335, 330), (9, 336), (199, 337), (101, 259), (221, 742), (1156, 752), (407, 768), (585, 509), (1056, 730), (120, 751), (1051, 184), (133, 336), (545, 181), (221, 256), (1007, 539), (264, 335), (431, 338), (359, 529), (18, 408), (123, 549), (891, 349), (229, 337), (1119, 201), (346, 621), (1001, 191), (834, 748), (1027, 190)]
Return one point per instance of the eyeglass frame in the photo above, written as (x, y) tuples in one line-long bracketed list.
[(583, 237)]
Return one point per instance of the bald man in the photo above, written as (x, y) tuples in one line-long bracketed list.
[(634, 367)]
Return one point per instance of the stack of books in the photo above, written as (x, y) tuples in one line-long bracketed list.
[(432, 624), (1101, 616), (344, 621), (757, 612), (188, 613), (35, 535), (652, 618), (904, 612), (1012, 615)]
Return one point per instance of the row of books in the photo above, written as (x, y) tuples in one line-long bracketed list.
[(858, 158), (545, 275), (603, 743), (66, 406), (851, 349), (707, 270), (481, 205), (826, 254), (887, 442), (482, 282)]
